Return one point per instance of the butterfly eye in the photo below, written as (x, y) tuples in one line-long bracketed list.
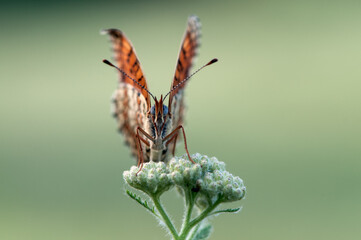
[(152, 110), (165, 110)]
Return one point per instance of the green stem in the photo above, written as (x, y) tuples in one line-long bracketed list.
[(198, 219), (190, 200), (194, 232), (165, 217)]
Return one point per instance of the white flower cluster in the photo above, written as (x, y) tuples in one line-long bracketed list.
[(153, 178), (208, 176)]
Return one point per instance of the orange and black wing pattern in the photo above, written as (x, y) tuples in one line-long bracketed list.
[(128, 62), (185, 61), (131, 100)]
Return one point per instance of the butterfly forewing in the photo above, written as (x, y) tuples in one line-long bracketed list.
[(131, 102), (128, 62), (185, 61)]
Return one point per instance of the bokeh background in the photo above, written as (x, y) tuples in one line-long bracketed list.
[(281, 108)]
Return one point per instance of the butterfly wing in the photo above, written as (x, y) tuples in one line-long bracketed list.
[(131, 101), (186, 57), (128, 62)]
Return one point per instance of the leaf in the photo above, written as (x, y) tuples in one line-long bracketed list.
[(142, 202), (229, 210), (203, 232)]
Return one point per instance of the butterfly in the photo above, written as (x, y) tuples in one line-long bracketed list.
[(152, 131)]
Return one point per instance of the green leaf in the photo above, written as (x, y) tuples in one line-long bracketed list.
[(142, 202), (229, 210), (203, 232)]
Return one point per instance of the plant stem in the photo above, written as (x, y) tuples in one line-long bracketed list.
[(194, 232), (198, 219), (165, 217), (189, 202)]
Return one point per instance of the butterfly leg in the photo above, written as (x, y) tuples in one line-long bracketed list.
[(174, 139), (139, 138), (140, 152), (175, 142), (175, 131)]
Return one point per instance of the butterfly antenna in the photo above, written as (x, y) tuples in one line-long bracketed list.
[(214, 60), (125, 74)]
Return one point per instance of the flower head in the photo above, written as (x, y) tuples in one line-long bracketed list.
[(207, 176), (153, 178)]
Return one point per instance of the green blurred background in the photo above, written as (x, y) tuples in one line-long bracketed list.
[(281, 108)]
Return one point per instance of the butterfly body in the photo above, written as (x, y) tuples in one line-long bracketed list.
[(151, 131), (159, 126)]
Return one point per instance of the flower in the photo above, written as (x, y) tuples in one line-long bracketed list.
[(208, 177), (153, 179)]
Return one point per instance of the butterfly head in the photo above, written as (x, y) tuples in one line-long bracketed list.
[(159, 111), (159, 114)]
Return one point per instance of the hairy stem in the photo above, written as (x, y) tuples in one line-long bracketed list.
[(165, 217), (190, 198), (194, 232), (198, 219)]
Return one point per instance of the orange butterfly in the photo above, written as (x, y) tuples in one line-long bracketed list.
[(151, 131)]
